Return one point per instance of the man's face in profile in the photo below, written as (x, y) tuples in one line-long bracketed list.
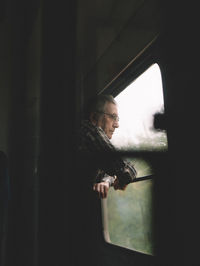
[(108, 121)]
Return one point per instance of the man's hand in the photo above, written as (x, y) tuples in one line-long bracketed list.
[(102, 189), (116, 185)]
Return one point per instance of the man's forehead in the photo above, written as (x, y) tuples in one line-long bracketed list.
[(111, 107)]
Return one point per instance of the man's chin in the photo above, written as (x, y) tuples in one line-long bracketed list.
[(110, 136)]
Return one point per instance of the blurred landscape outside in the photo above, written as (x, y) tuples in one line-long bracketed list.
[(129, 213)]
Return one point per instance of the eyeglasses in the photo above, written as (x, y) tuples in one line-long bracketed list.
[(112, 116)]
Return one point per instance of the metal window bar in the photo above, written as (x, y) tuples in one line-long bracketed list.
[(142, 178)]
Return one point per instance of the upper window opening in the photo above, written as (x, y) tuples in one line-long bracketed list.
[(137, 105)]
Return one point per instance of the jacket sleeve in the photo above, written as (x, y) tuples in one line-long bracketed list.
[(111, 162), (109, 179)]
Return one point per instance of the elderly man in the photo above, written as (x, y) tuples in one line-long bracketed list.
[(106, 168)]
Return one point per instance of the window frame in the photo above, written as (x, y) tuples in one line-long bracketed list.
[(138, 66), (150, 56)]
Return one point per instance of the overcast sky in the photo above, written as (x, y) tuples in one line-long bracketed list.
[(136, 105)]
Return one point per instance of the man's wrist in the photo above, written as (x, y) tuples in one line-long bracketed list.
[(109, 180)]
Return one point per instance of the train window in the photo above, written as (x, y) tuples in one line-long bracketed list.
[(127, 215)]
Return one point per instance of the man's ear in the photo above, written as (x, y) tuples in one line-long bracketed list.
[(93, 118)]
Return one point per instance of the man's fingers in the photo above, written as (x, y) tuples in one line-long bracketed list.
[(97, 188), (105, 190), (101, 189)]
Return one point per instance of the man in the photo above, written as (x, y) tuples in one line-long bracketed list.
[(106, 167)]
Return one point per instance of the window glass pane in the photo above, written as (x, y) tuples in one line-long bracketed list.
[(130, 217), (129, 213), (137, 105)]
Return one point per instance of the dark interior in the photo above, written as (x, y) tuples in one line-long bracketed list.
[(54, 56)]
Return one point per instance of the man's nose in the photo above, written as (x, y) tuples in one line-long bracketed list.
[(116, 124)]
